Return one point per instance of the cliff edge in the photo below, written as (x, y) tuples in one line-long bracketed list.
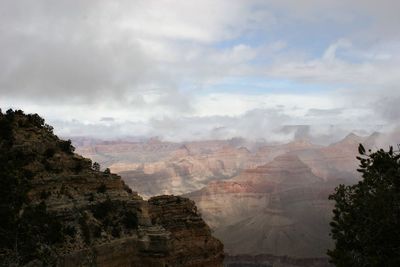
[(59, 209)]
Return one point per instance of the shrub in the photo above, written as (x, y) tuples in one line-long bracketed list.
[(48, 128), (96, 166), (366, 221), (102, 189), (85, 229), (70, 230), (91, 197), (45, 195), (131, 220), (49, 152), (66, 146), (116, 231), (101, 210), (127, 189)]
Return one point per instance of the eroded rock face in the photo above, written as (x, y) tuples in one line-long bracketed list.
[(186, 169), (60, 211), (189, 233), (156, 167), (280, 208), (172, 234)]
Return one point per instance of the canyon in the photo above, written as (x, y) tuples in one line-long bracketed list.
[(258, 198)]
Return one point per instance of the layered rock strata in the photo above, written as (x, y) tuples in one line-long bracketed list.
[(59, 210)]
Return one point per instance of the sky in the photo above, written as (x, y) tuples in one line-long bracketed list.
[(190, 70)]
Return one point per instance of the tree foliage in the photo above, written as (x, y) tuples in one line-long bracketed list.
[(66, 146), (96, 166), (366, 217)]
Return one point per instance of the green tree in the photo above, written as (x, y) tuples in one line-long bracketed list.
[(366, 217), (96, 166)]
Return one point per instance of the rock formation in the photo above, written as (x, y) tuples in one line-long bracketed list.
[(186, 169), (280, 209), (259, 198), (57, 210), (179, 168)]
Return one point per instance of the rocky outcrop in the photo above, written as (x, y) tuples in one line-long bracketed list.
[(59, 210), (187, 169), (189, 233), (280, 208), (173, 234)]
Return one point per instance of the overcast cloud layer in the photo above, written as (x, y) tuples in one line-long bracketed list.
[(186, 70)]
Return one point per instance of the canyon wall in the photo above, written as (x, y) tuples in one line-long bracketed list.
[(63, 211)]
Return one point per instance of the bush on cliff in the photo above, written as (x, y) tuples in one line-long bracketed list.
[(25, 230), (366, 221)]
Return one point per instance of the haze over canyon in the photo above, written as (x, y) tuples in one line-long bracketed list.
[(259, 198)]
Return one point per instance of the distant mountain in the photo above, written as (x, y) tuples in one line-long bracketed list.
[(170, 168), (259, 198), (280, 208)]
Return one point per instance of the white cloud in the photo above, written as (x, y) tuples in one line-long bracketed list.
[(378, 72), (230, 104), (147, 64)]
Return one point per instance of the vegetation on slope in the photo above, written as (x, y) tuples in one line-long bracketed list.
[(25, 231), (366, 222), (32, 157)]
